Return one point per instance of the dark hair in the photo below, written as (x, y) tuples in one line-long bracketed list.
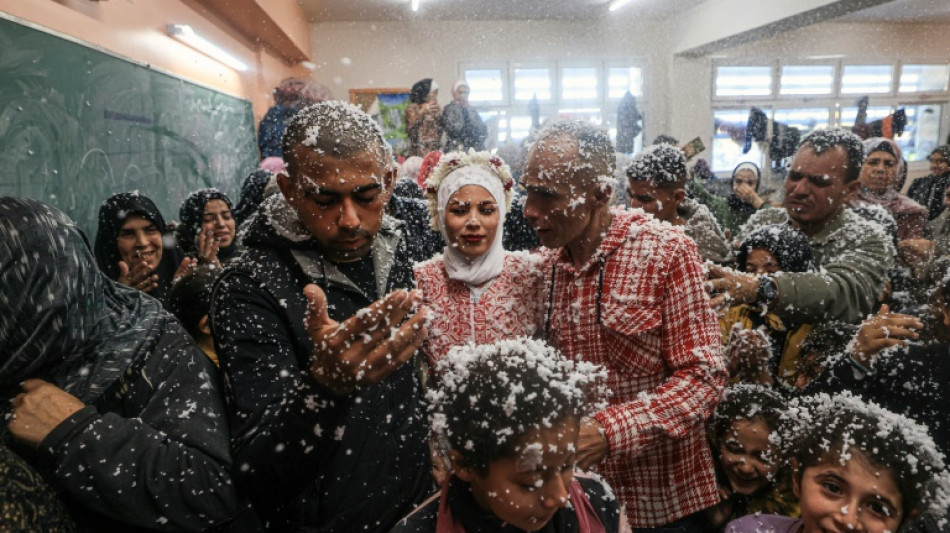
[(789, 246), (491, 395), (190, 297), (823, 429), (662, 165), (595, 150), (943, 149), (827, 139), (335, 129), (420, 91), (665, 139), (192, 213), (745, 401)]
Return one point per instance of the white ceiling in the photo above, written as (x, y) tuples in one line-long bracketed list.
[(380, 10), (919, 11)]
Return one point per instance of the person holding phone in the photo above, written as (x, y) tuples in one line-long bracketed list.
[(424, 118)]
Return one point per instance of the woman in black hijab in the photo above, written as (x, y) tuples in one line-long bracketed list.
[(207, 231), (111, 400), (252, 195), (131, 246)]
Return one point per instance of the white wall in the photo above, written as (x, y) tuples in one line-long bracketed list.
[(397, 54)]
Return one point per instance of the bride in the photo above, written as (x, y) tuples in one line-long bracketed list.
[(478, 292)]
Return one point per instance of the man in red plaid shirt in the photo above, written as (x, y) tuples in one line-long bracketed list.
[(626, 291)]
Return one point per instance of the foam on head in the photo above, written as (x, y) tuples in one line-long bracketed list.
[(490, 396), (662, 165), (335, 129)]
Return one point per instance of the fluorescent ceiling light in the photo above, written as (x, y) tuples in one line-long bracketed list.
[(828, 56), (617, 4), (185, 34), (415, 5)]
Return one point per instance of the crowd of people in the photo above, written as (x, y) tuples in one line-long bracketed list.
[(463, 343)]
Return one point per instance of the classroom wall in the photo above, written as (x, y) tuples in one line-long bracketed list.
[(136, 29), (353, 55)]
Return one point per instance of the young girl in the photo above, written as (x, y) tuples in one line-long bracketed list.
[(856, 467), (748, 461), (508, 415), (760, 347), (476, 290)]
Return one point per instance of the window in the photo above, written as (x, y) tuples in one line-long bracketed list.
[(849, 114), (743, 81), (531, 82), (867, 79), (806, 120), (621, 80), (586, 90), (728, 141), (487, 85), (579, 83), (922, 131), (824, 94), (921, 78), (807, 79), (520, 127)]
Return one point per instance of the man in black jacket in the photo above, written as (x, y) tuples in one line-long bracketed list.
[(327, 422)]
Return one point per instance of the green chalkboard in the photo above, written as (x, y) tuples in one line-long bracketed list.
[(78, 124)]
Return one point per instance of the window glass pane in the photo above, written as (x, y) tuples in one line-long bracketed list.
[(728, 140), (621, 80), (743, 81), (918, 78), (806, 120), (495, 122), (579, 83), (848, 114), (807, 79), (590, 114), (922, 132), (532, 81), (486, 85), (866, 79), (521, 127)]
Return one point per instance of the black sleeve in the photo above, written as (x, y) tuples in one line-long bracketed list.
[(160, 459), (283, 424)]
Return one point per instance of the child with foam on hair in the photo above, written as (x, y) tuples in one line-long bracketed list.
[(761, 347), (856, 467), (507, 415), (742, 433)]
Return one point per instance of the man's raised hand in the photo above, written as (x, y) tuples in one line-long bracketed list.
[(368, 346)]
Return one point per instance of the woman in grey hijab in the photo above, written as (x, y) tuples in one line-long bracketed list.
[(111, 400)]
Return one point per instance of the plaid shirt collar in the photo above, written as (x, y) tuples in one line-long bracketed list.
[(617, 233)]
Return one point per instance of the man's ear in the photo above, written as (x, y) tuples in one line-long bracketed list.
[(678, 196), (204, 326), (602, 193), (389, 180), (459, 467), (286, 185)]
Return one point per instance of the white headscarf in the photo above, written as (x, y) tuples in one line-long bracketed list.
[(489, 265)]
